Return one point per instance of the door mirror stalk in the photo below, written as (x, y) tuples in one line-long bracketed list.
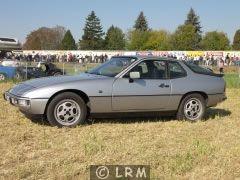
[(131, 80)]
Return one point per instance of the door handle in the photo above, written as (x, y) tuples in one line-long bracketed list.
[(164, 85)]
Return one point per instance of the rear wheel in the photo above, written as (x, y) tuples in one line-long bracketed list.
[(66, 109), (192, 108), (2, 77)]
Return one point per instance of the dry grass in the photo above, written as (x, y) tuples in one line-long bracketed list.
[(175, 150)]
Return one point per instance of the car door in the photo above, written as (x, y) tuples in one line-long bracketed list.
[(179, 82), (149, 93)]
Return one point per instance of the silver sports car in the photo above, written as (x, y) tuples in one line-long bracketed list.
[(122, 85)]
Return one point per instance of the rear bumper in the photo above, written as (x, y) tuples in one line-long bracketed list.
[(214, 99), (29, 106)]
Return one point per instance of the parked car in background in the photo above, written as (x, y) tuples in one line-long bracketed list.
[(43, 69), (29, 72), (124, 85), (50, 69)]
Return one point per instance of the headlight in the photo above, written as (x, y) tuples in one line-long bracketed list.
[(6, 97), (23, 102), (14, 101)]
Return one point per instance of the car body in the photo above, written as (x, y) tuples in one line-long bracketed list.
[(7, 72), (125, 84)]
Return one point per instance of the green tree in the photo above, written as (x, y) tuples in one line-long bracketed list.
[(215, 41), (185, 38), (68, 42), (141, 23), (137, 39), (92, 38), (236, 40), (114, 39), (193, 19), (158, 40)]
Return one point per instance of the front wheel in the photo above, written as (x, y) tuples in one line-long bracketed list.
[(57, 74), (192, 108), (66, 110)]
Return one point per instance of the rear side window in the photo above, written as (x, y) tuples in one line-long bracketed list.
[(176, 70), (198, 69)]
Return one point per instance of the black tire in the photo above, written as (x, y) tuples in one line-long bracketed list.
[(54, 109), (18, 76), (57, 74), (183, 112), (2, 77)]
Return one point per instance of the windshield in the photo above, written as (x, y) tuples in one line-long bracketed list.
[(112, 67)]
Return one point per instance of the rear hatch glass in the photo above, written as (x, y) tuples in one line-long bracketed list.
[(201, 70)]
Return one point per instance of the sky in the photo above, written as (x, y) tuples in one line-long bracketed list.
[(19, 17)]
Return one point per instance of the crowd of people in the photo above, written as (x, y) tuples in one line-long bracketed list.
[(58, 57), (208, 59)]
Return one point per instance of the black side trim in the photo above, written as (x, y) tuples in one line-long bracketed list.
[(216, 94), (140, 95), (150, 95)]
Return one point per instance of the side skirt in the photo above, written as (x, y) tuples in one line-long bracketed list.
[(132, 114)]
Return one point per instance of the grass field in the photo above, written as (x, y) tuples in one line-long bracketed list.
[(208, 149), (232, 80)]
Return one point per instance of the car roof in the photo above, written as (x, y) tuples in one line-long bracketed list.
[(147, 57), (8, 59)]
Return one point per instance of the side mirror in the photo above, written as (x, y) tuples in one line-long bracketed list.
[(134, 75)]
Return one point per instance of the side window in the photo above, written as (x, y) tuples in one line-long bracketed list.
[(150, 69), (142, 68), (176, 70)]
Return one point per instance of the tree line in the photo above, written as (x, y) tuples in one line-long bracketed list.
[(188, 36)]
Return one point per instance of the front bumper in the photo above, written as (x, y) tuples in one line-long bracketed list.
[(27, 105)]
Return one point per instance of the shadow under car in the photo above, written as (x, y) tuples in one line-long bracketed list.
[(127, 118)]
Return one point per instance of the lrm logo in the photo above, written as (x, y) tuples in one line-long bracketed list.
[(112, 172)]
